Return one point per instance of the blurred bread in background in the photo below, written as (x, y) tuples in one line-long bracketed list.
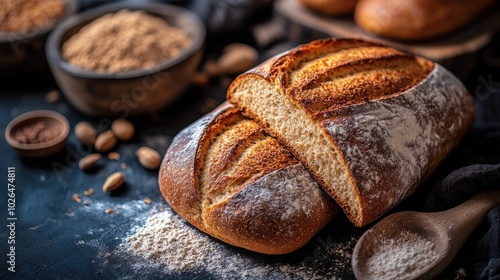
[(416, 19), (409, 20), (331, 7)]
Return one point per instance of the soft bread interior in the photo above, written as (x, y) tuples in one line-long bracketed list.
[(307, 139)]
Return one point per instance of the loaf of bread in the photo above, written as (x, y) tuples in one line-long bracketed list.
[(368, 122), (330, 7), (231, 180), (416, 19)]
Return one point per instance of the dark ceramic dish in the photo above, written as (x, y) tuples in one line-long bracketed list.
[(128, 93), (52, 120)]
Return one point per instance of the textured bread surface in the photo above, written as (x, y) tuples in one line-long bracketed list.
[(368, 122), (330, 7), (416, 19), (230, 179)]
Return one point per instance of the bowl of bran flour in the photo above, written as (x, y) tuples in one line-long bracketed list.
[(126, 59), (24, 28)]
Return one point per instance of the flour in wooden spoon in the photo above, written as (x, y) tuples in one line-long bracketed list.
[(401, 257)]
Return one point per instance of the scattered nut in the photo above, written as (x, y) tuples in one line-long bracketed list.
[(147, 200), (123, 165), (113, 182), (201, 79), (237, 58), (148, 157), (88, 162), (105, 141), (109, 211), (211, 68), (86, 203), (123, 129), (77, 198), (118, 206), (85, 133), (52, 96), (114, 156), (88, 192)]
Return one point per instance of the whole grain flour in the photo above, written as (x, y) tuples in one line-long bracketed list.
[(123, 41)]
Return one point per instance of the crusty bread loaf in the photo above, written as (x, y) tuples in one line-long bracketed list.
[(368, 122), (230, 179), (416, 19), (330, 7)]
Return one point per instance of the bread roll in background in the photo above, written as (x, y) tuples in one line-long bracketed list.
[(370, 123), (330, 7), (231, 180), (416, 19)]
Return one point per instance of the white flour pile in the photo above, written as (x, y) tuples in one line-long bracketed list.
[(401, 257), (167, 239)]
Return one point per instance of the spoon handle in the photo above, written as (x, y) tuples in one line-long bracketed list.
[(463, 219)]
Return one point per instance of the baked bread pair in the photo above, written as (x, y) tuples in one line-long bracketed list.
[(331, 7), (351, 120), (404, 20), (416, 19)]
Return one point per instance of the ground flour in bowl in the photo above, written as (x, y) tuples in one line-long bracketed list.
[(123, 41)]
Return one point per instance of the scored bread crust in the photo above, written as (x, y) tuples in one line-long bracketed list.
[(369, 122), (231, 180)]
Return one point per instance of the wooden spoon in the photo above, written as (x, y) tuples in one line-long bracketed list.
[(447, 230)]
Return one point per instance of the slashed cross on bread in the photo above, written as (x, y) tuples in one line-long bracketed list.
[(368, 122), (230, 179)]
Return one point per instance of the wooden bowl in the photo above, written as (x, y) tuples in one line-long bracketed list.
[(52, 120), (128, 93)]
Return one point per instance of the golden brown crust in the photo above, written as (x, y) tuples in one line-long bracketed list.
[(228, 178), (239, 154), (323, 72), (393, 117), (416, 19), (330, 7)]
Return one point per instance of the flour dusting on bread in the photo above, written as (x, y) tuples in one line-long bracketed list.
[(297, 189), (367, 121), (409, 126)]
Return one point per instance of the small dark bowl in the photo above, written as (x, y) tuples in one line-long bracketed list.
[(52, 119), (23, 52), (128, 93)]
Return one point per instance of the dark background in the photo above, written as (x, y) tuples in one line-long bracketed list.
[(58, 238)]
